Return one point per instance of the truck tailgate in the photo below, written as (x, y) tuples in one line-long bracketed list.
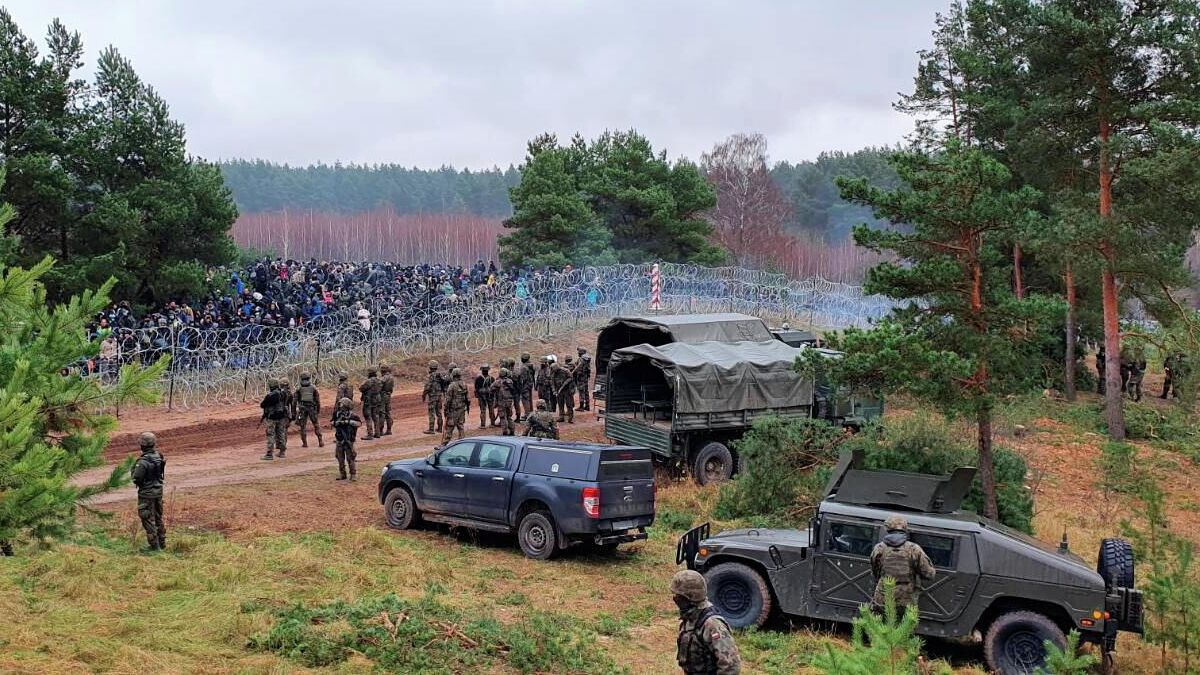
[(626, 481)]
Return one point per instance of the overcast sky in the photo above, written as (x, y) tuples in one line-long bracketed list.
[(468, 83)]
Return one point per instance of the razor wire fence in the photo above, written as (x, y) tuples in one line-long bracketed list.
[(213, 366)]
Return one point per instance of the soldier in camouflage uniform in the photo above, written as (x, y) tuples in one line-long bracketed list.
[(387, 384), (275, 414), (308, 407), (148, 475), (705, 644), (504, 392), (285, 388), (545, 384), (458, 404), (583, 378), (523, 378), (541, 424), (484, 395), (900, 559), (432, 396), (370, 404), (564, 390), (344, 389), (345, 429)]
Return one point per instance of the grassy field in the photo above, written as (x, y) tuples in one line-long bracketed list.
[(302, 575)]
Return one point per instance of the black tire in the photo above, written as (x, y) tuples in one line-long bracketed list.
[(400, 509), (1115, 563), (1015, 643), (714, 463), (739, 594), (537, 536)]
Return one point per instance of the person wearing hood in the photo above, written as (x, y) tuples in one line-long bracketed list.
[(905, 561)]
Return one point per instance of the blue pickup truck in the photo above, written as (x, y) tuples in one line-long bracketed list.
[(552, 494)]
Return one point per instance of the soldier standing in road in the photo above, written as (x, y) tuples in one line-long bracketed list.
[(285, 388), (505, 393), (541, 424), (545, 384), (705, 644), (523, 378), (308, 407), (458, 404), (148, 474), (344, 389), (275, 414), (432, 396), (387, 385), (902, 560), (345, 430), (484, 396), (370, 403), (564, 390), (583, 379)]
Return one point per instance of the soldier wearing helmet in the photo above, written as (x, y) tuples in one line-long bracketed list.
[(582, 374), (905, 561), (705, 644), (563, 383), (541, 424), (345, 430), (308, 408), (371, 391), (387, 384), (544, 381), (523, 376), (432, 395), (148, 474), (275, 414), (344, 389), (504, 393), (458, 404), (484, 395)]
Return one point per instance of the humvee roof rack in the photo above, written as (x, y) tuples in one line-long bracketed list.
[(852, 484)]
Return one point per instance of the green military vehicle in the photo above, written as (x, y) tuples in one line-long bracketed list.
[(992, 583), (688, 402)]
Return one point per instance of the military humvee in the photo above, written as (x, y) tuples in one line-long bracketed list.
[(992, 582)]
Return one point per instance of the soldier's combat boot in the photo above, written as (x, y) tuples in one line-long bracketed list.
[(342, 476), (304, 440), (268, 456), (388, 431), (353, 477), (320, 441), (429, 431), (282, 454)]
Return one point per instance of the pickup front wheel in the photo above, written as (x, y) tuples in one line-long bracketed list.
[(400, 509), (536, 536), (739, 594)]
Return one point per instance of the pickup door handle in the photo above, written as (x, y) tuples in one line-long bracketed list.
[(458, 475), (499, 478), (419, 473)]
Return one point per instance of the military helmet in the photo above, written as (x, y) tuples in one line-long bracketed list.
[(456, 374), (305, 376), (372, 372), (345, 404), (570, 359), (689, 584), (505, 372), (525, 356), (342, 376), (896, 524), (541, 405), (434, 365), (147, 440), (385, 368), (272, 383), (581, 350), (453, 366), (545, 359), (283, 382)]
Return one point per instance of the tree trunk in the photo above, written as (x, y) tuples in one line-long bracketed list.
[(987, 468), (1114, 398), (1069, 361), (1018, 280)]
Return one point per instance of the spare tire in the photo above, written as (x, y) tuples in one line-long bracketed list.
[(1115, 563)]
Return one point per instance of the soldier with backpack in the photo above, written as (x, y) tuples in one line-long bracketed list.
[(308, 407), (705, 644)]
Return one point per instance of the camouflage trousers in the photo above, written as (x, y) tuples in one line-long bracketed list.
[(346, 455), (525, 404), (581, 387), (455, 419), (505, 414), (277, 435), (566, 404), (435, 413), (385, 413), (308, 413), (487, 411), (376, 417), (150, 511)]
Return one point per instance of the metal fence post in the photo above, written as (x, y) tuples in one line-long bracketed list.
[(318, 338), (174, 366)]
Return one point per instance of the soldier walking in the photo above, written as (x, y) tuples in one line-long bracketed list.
[(432, 396), (541, 424), (148, 474), (564, 390), (705, 644), (275, 414), (505, 394), (484, 383), (900, 559), (370, 403), (344, 389), (285, 388), (583, 378), (345, 430), (545, 384), (308, 408), (458, 404), (523, 378), (387, 385)]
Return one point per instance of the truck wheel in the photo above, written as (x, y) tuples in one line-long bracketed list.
[(400, 509), (714, 463), (536, 536), (1016, 642), (739, 594), (1115, 563)]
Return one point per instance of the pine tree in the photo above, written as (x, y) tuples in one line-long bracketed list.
[(1068, 660), (49, 428), (879, 645)]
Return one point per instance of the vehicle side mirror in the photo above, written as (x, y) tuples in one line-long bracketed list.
[(431, 460)]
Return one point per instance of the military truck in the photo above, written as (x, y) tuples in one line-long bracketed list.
[(993, 583), (688, 402)]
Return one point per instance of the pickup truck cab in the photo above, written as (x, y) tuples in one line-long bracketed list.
[(551, 494)]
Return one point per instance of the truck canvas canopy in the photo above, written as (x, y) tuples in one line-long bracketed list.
[(712, 376), (626, 331)]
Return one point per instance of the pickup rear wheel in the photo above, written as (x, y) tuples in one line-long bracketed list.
[(739, 594), (536, 536), (1016, 642), (400, 509), (714, 463)]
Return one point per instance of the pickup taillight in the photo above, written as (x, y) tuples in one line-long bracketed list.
[(591, 502)]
